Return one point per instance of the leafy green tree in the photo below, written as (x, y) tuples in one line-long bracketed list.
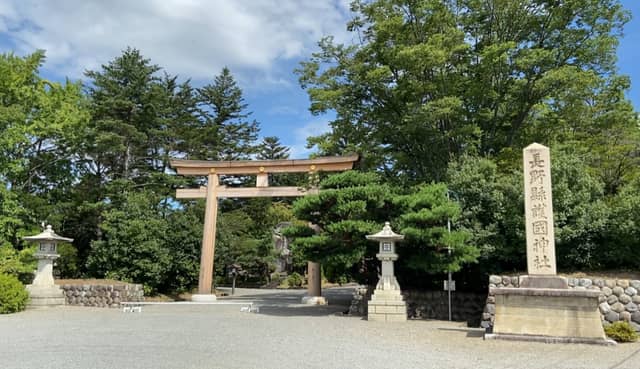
[(619, 250), (133, 246), (492, 205), (581, 213), (183, 242), (40, 123), (431, 80)]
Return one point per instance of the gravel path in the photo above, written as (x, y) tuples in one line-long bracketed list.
[(283, 335)]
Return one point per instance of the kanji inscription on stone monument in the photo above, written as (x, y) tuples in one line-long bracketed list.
[(541, 254)]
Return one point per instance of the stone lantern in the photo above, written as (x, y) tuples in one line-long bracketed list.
[(43, 291), (386, 303)]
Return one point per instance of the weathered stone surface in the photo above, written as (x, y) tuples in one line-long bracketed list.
[(599, 282), (635, 326), (602, 299), (547, 281), (515, 281), (631, 291), (506, 280), (636, 317), (626, 316), (612, 316), (617, 307), (572, 282), (495, 279), (631, 307), (635, 284), (538, 206), (585, 282), (101, 295), (636, 299), (612, 299), (625, 299), (624, 283), (490, 308), (533, 312), (486, 316), (604, 308), (607, 291), (618, 291), (491, 300), (610, 283)]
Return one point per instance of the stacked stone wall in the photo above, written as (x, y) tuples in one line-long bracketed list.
[(102, 295), (619, 299), (465, 306)]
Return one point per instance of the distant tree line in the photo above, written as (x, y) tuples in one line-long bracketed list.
[(92, 159)]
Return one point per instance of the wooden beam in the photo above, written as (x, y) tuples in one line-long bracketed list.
[(242, 192), (262, 180), (201, 167)]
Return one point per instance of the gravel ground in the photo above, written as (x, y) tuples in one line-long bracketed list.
[(282, 335)]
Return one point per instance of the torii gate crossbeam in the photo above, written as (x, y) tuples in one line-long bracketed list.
[(261, 169)]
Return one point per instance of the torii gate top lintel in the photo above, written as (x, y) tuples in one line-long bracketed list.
[(230, 167)]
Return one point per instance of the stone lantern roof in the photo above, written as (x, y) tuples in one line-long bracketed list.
[(386, 234), (47, 235)]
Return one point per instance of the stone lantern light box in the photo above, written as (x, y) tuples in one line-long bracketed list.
[(43, 291)]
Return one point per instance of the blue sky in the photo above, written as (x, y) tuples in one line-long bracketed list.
[(261, 41)]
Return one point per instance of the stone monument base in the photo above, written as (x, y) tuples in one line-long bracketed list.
[(204, 298), (41, 296), (387, 306), (544, 281), (548, 315), (314, 300)]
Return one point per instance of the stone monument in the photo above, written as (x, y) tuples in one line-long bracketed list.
[(387, 304), (43, 291), (544, 308)]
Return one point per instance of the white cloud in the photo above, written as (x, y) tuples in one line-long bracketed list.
[(192, 38), (300, 135)]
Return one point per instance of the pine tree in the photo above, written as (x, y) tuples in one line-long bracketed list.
[(121, 95), (271, 149), (226, 132)]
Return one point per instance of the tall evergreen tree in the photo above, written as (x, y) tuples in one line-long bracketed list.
[(271, 149), (226, 133), (122, 97)]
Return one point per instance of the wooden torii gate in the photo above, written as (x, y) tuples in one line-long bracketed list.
[(261, 169)]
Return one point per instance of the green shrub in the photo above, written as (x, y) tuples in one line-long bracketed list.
[(13, 295), (621, 332), (19, 264), (295, 280)]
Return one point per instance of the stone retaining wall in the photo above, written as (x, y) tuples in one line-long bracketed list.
[(428, 304), (619, 298), (102, 295)]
